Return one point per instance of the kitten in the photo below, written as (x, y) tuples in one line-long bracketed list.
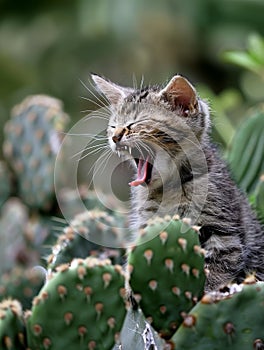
[(178, 171)]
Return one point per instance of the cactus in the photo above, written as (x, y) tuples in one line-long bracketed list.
[(22, 285), (32, 141), (246, 156), (40, 234), (231, 322), (14, 216), (83, 302), (12, 328), (5, 183), (74, 202), (90, 233), (259, 199), (167, 272)]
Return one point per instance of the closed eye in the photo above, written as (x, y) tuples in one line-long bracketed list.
[(130, 125)]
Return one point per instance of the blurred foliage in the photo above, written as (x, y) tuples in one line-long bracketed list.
[(49, 46), (252, 59)]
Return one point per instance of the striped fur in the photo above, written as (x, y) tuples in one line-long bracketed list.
[(188, 177)]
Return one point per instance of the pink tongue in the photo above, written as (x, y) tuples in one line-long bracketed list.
[(142, 172)]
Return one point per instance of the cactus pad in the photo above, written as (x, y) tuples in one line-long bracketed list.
[(32, 141), (89, 233), (233, 322), (21, 284), (85, 302), (12, 329), (167, 272)]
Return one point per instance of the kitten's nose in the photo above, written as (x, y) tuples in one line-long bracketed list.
[(119, 132)]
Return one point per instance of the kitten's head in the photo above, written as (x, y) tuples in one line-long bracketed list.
[(159, 126)]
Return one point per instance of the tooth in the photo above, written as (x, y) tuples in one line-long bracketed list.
[(130, 150)]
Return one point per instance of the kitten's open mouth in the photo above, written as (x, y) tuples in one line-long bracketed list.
[(144, 171), (144, 163)]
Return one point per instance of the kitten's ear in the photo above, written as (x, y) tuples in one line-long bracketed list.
[(114, 93), (180, 93)]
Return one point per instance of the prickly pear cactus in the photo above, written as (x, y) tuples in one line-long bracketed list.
[(81, 307), (40, 233), (12, 328), (32, 141), (14, 216), (246, 156), (5, 183), (166, 269), (94, 233), (21, 284), (73, 202), (232, 322)]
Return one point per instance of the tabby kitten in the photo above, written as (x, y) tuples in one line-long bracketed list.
[(165, 133)]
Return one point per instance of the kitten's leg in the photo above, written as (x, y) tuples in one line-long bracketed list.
[(224, 261)]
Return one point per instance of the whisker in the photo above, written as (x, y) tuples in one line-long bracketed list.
[(149, 150), (95, 151), (143, 145), (100, 102), (103, 162), (110, 154), (98, 116), (87, 152), (94, 137), (97, 104), (134, 81), (91, 115), (142, 82), (93, 145)]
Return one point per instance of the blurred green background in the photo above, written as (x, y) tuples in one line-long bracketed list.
[(49, 46)]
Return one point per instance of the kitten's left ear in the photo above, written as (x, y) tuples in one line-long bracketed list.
[(180, 93), (113, 92)]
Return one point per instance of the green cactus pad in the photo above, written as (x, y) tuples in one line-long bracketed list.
[(33, 137), (40, 233), (234, 322), (246, 156), (21, 284), (81, 307), (12, 328), (167, 272), (94, 233)]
